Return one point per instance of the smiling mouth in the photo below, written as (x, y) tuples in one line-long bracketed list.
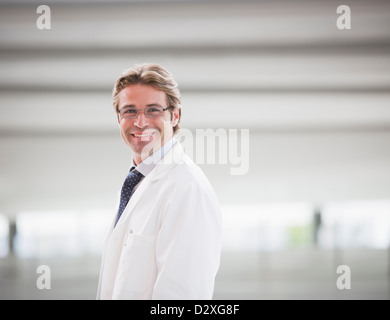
[(143, 135)]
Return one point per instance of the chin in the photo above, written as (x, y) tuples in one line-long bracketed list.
[(145, 148)]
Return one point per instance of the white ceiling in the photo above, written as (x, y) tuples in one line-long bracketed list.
[(316, 99)]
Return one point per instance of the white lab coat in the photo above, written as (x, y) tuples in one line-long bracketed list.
[(167, 242)]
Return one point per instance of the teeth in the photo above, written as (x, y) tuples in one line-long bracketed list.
[(143, 135)]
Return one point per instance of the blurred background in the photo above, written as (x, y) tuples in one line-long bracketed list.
[(316, 101)]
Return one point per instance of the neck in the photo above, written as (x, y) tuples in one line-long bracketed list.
[(140, 157)]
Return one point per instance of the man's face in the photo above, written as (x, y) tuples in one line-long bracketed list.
[(145, 135)]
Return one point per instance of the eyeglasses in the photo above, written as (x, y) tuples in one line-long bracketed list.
[(149, 112)]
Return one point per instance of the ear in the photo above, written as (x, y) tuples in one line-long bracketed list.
[(175, 117)]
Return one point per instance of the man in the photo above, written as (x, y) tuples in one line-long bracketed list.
[(165, 242)]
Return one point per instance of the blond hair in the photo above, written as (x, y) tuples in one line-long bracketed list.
[(153, 75)]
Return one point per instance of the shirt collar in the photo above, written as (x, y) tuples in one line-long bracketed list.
[(146, 166)]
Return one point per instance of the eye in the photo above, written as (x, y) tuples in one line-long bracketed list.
[(129, 111), (153, 111)]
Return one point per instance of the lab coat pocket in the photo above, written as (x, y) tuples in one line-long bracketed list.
[(137, 268)]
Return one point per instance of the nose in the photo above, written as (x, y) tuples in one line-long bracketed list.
[(141, 120)]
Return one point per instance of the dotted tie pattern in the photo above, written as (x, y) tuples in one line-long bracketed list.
[(132, 179)]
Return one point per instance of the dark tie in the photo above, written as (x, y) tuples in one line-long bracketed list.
[(132, 179)]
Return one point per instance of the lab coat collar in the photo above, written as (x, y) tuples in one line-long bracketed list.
[(171, 159)]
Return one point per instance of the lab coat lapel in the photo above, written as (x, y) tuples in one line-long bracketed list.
[(171, 159)]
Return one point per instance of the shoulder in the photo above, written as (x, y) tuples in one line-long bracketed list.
[(179, 173), (189, 173), (186, 178)]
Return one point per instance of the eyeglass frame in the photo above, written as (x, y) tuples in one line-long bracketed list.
[(139, 110)]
